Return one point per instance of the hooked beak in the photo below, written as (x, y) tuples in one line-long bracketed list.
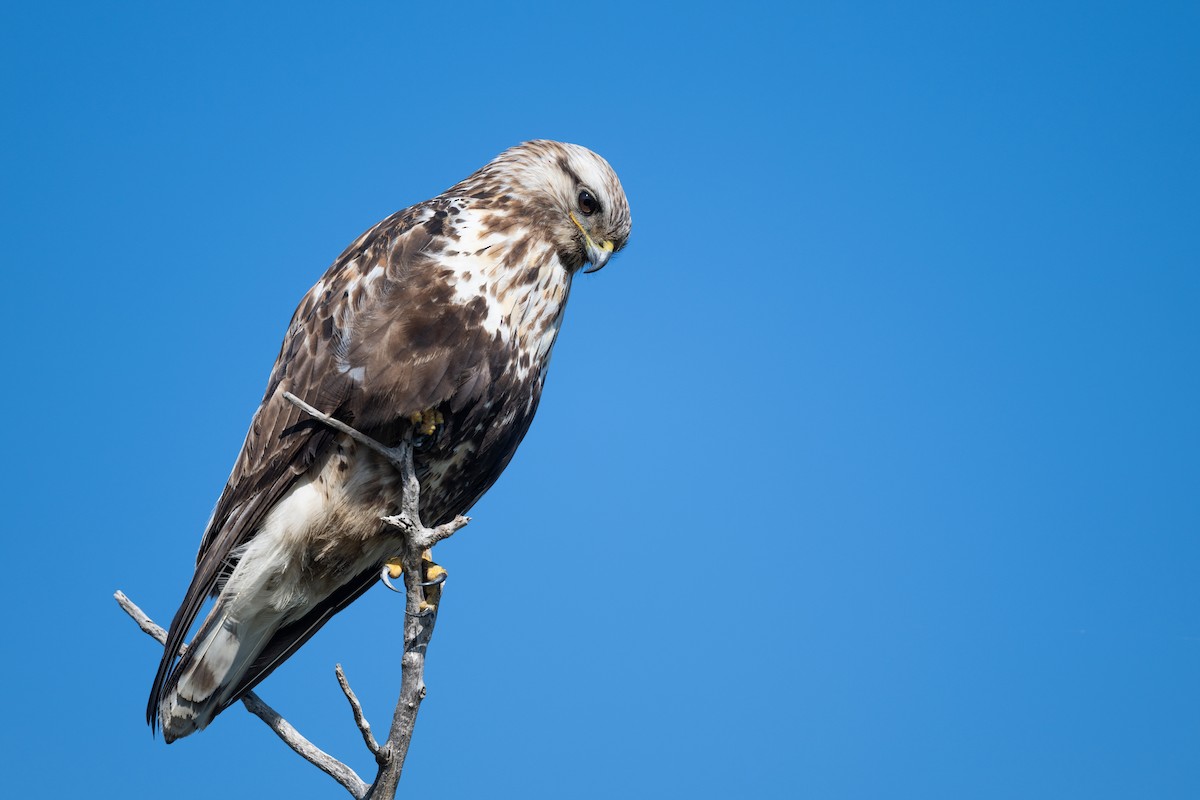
[(597, 254)]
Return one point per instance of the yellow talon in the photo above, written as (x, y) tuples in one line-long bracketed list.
[(426, 422), (433, 570)]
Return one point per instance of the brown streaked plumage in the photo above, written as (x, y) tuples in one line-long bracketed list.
[(452, 304)]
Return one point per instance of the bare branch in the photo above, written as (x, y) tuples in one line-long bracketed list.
[(283, 729), (151, 628), (360, 720), (418, 630), (335, 769), (421, 538), (399, 456), (420, 615)]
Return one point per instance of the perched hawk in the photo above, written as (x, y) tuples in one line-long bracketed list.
[(445, 312)]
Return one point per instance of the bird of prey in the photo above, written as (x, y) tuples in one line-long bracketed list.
[(440, 318)]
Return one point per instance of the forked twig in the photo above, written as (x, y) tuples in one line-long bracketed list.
[(360, 719), (283, 729)]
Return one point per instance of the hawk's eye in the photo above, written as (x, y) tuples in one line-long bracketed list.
[(588, 205)]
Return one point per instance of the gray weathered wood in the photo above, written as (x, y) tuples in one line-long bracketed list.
[(292, 737)]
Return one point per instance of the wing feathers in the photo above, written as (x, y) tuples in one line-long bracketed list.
[(281, 446)]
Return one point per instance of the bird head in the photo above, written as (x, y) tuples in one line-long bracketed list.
[(572, 194)]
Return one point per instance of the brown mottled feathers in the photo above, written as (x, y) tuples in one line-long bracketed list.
[(451, 304), (283, 444)]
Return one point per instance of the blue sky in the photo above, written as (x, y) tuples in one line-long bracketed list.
[(869, 469)]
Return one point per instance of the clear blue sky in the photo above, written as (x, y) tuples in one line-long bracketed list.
[(870, 469)]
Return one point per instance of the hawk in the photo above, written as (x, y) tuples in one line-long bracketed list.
[(441, 318)]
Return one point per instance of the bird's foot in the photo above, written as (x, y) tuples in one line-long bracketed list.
[(425, 423), (433, 575)]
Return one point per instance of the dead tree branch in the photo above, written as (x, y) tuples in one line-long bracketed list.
[(360, 720), (283, 729), (422, 593)]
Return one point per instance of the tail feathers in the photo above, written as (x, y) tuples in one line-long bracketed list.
[(211, 670), (228, 657)]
